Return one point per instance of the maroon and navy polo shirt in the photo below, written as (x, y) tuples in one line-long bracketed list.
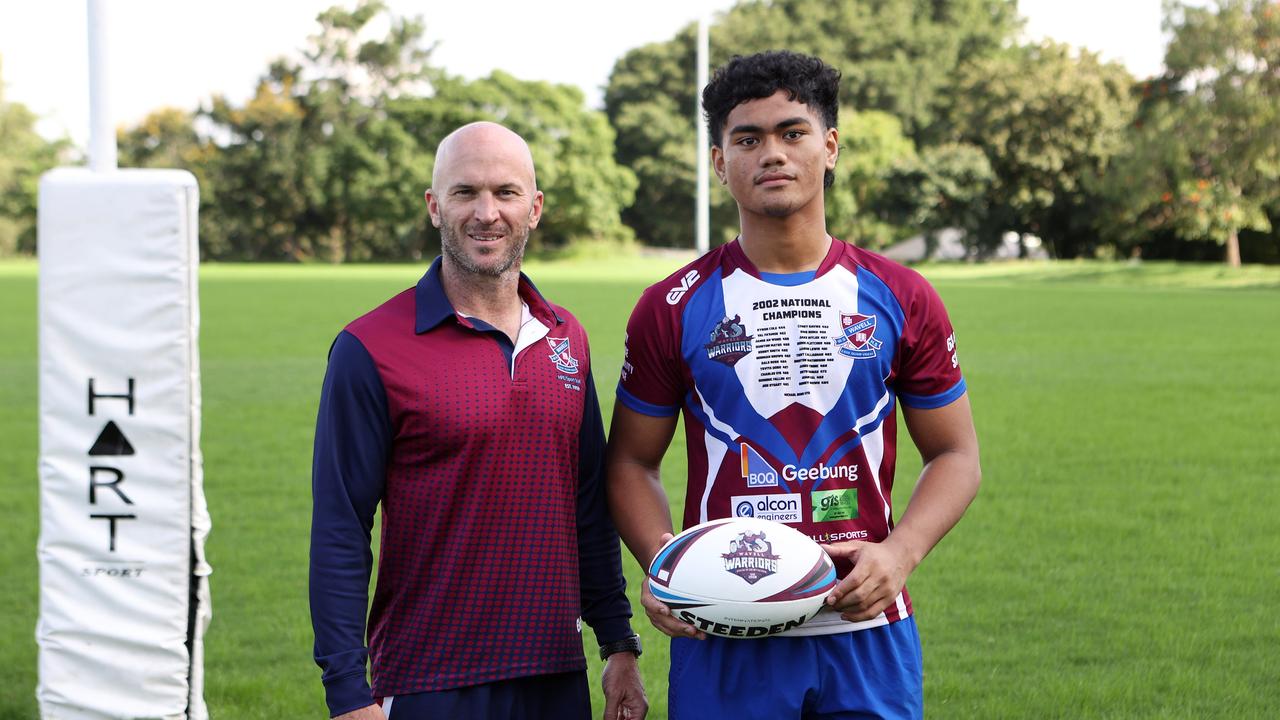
[(487, 459)]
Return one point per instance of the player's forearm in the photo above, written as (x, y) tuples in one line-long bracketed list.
[(948, 483), (639, 507)]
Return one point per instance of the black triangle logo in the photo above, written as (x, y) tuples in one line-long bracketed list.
[(111, 442)]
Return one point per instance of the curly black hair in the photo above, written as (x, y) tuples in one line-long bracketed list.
[(806, 79)]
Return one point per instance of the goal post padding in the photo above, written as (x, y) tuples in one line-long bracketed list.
[(124, 598)]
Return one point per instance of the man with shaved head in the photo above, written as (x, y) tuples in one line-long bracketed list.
[(466, 407)]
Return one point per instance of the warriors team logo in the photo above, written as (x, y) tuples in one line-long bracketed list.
[(565, 362), (751, 557), (729, 341), (858, 338)]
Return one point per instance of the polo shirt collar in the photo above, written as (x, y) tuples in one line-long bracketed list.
[(432, 306)]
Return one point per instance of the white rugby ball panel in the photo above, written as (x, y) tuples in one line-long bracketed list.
[(742, 577)]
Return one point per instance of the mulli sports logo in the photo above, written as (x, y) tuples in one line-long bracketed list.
[(729, 341), (561, 356), (858, 336), (759, 473), (751, 557)]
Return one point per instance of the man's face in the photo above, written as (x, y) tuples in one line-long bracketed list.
[(484, 201), (775, 152)]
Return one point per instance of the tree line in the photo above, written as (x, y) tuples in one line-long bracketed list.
[(945, 122)]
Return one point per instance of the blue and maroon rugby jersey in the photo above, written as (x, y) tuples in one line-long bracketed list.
[(789, 385), (487, 459)]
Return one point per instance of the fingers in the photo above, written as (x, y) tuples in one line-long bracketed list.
[(847, 549), (662, 618)]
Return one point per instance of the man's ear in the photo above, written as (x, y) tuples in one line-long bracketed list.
[(433, 207), (717, 163), (535, 211)]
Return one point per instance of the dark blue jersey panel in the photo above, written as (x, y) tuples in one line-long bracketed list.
[(353, 433)]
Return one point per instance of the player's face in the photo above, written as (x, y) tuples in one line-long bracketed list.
[(774, 154), (485, 202)]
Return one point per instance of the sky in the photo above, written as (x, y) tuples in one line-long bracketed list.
[(180, 52)]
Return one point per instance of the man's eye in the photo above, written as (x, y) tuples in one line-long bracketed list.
[(747, 141)]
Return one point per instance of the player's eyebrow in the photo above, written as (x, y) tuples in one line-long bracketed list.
[(781, 125)]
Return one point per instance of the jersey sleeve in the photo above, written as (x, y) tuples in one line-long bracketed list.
[(652, 381), (353, 432), (929, 369)]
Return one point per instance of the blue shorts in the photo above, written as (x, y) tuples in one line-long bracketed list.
[(562, 696), (874, 673)]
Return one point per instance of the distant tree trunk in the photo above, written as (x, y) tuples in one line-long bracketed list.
[(1233, 249)]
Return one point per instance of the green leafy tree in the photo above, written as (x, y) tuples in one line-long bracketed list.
[(896, 57), (946, 186), (24, 157), (572, 147), (1228, 57), (1202, 158), (871, 144), (313, 166), (1048, 118)]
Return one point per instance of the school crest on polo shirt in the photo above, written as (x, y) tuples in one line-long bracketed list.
[(561, 355), (729, 341), (858, 336), (750, 557)]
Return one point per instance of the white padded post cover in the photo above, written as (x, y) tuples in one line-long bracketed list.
[(124, 599)]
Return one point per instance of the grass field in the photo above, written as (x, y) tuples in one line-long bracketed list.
[(1122, 559)]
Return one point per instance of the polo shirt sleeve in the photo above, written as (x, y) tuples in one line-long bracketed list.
[(603, 588), (353, 433)]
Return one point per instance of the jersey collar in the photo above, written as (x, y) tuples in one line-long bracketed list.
[(734, 253)]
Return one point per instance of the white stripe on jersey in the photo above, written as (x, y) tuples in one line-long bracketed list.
[(716, 451), (873, 448)]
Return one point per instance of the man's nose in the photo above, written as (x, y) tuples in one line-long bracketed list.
[(486, 208), (772, 153)]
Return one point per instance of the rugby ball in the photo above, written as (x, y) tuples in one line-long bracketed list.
[(742, 577)]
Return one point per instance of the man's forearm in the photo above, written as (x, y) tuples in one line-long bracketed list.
[(639, 507), (947, 484)]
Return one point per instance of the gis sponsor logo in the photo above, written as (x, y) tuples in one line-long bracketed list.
[(751, 557), (756, 470), (778, 508), (831, 505)]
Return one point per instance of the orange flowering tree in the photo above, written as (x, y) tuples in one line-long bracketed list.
[(1204, 155)]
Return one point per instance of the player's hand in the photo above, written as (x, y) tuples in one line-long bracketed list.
[(624, 697), (371, 712), (879, 574), (660, 615)]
